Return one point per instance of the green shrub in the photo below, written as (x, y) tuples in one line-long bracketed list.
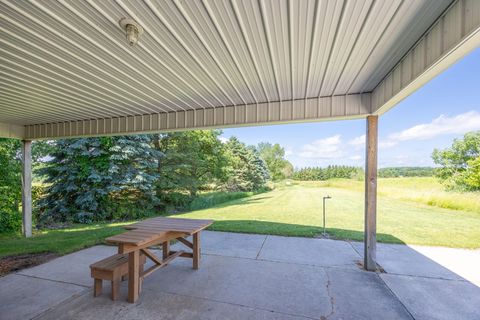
[(10, 221)]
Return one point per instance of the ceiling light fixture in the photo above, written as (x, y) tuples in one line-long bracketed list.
[(132, 30)]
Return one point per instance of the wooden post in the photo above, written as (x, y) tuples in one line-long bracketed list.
[(370, 237), (27, 188)]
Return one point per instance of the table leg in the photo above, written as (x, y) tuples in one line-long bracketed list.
[(166, 249), (133, 275), (196, 250)]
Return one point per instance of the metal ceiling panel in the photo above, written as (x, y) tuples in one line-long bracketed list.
[(68, 60)]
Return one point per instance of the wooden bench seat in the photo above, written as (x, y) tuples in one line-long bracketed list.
[(112, 269)]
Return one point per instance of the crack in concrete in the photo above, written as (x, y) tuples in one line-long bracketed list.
[(332, 298)]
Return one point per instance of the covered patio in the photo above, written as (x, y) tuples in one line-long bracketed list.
[(67, 71), (266, 277)]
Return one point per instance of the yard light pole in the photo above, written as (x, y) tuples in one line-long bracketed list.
[(324, 198)]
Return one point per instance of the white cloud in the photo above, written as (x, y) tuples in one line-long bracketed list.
[(356, 157), (442, 125), (386, 143), (288, 152), (223, 139), (358, 141), (326, 148)]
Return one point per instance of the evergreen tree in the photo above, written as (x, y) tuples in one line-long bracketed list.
[(246, 170), (91, 178)]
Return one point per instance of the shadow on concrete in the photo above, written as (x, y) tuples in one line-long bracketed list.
[(295, 230)]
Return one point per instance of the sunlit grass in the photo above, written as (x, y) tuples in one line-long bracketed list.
[(405, 215), (296, 210), (426, 190)]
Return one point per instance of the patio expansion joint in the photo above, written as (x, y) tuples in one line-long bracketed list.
[(339, 266), (354, 249), (52, 280), (396, 297), (66, 300), (261, 248), (425, 277), (239, 305)]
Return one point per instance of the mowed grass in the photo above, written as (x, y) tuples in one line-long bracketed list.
[(60, 241), (403, 216), (408, 212)]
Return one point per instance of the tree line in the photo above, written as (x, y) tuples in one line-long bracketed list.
[(128, 177), (396, 172), (329, 172)]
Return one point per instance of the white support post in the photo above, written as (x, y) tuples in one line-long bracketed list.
[(370, 237), (27, 188)]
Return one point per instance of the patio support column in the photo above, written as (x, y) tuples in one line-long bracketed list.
[(370, 237), (27, 188)]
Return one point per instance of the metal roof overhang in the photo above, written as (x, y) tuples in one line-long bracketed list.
[(67, 70)]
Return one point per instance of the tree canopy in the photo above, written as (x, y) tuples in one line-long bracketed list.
[(191, 160), (274, 157), (460, 163)]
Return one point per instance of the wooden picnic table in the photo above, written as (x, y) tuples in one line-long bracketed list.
[(150, 232)]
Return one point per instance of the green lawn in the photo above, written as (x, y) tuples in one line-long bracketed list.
[(58, 241), (297, 211), (406, 214)]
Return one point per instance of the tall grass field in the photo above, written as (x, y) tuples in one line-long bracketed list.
[(410, 210)]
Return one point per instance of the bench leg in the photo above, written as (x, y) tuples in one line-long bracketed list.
[(196, 250), (115, 289), (166, 249), (97, 287)]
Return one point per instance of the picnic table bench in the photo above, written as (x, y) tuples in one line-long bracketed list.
[(150, 232)]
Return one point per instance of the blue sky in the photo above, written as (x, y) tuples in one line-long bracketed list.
[(442, 110)]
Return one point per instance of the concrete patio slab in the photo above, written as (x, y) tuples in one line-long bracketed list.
[(72, 268), (24, 297), (436, 299), (285, 288), (423, 261), (277, 278), (253, 289), (159, 305), (318, 252), (229, 244), (362, 295)]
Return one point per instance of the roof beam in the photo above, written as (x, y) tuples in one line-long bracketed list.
[(303, 110), (11, 131), (452, 36)]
